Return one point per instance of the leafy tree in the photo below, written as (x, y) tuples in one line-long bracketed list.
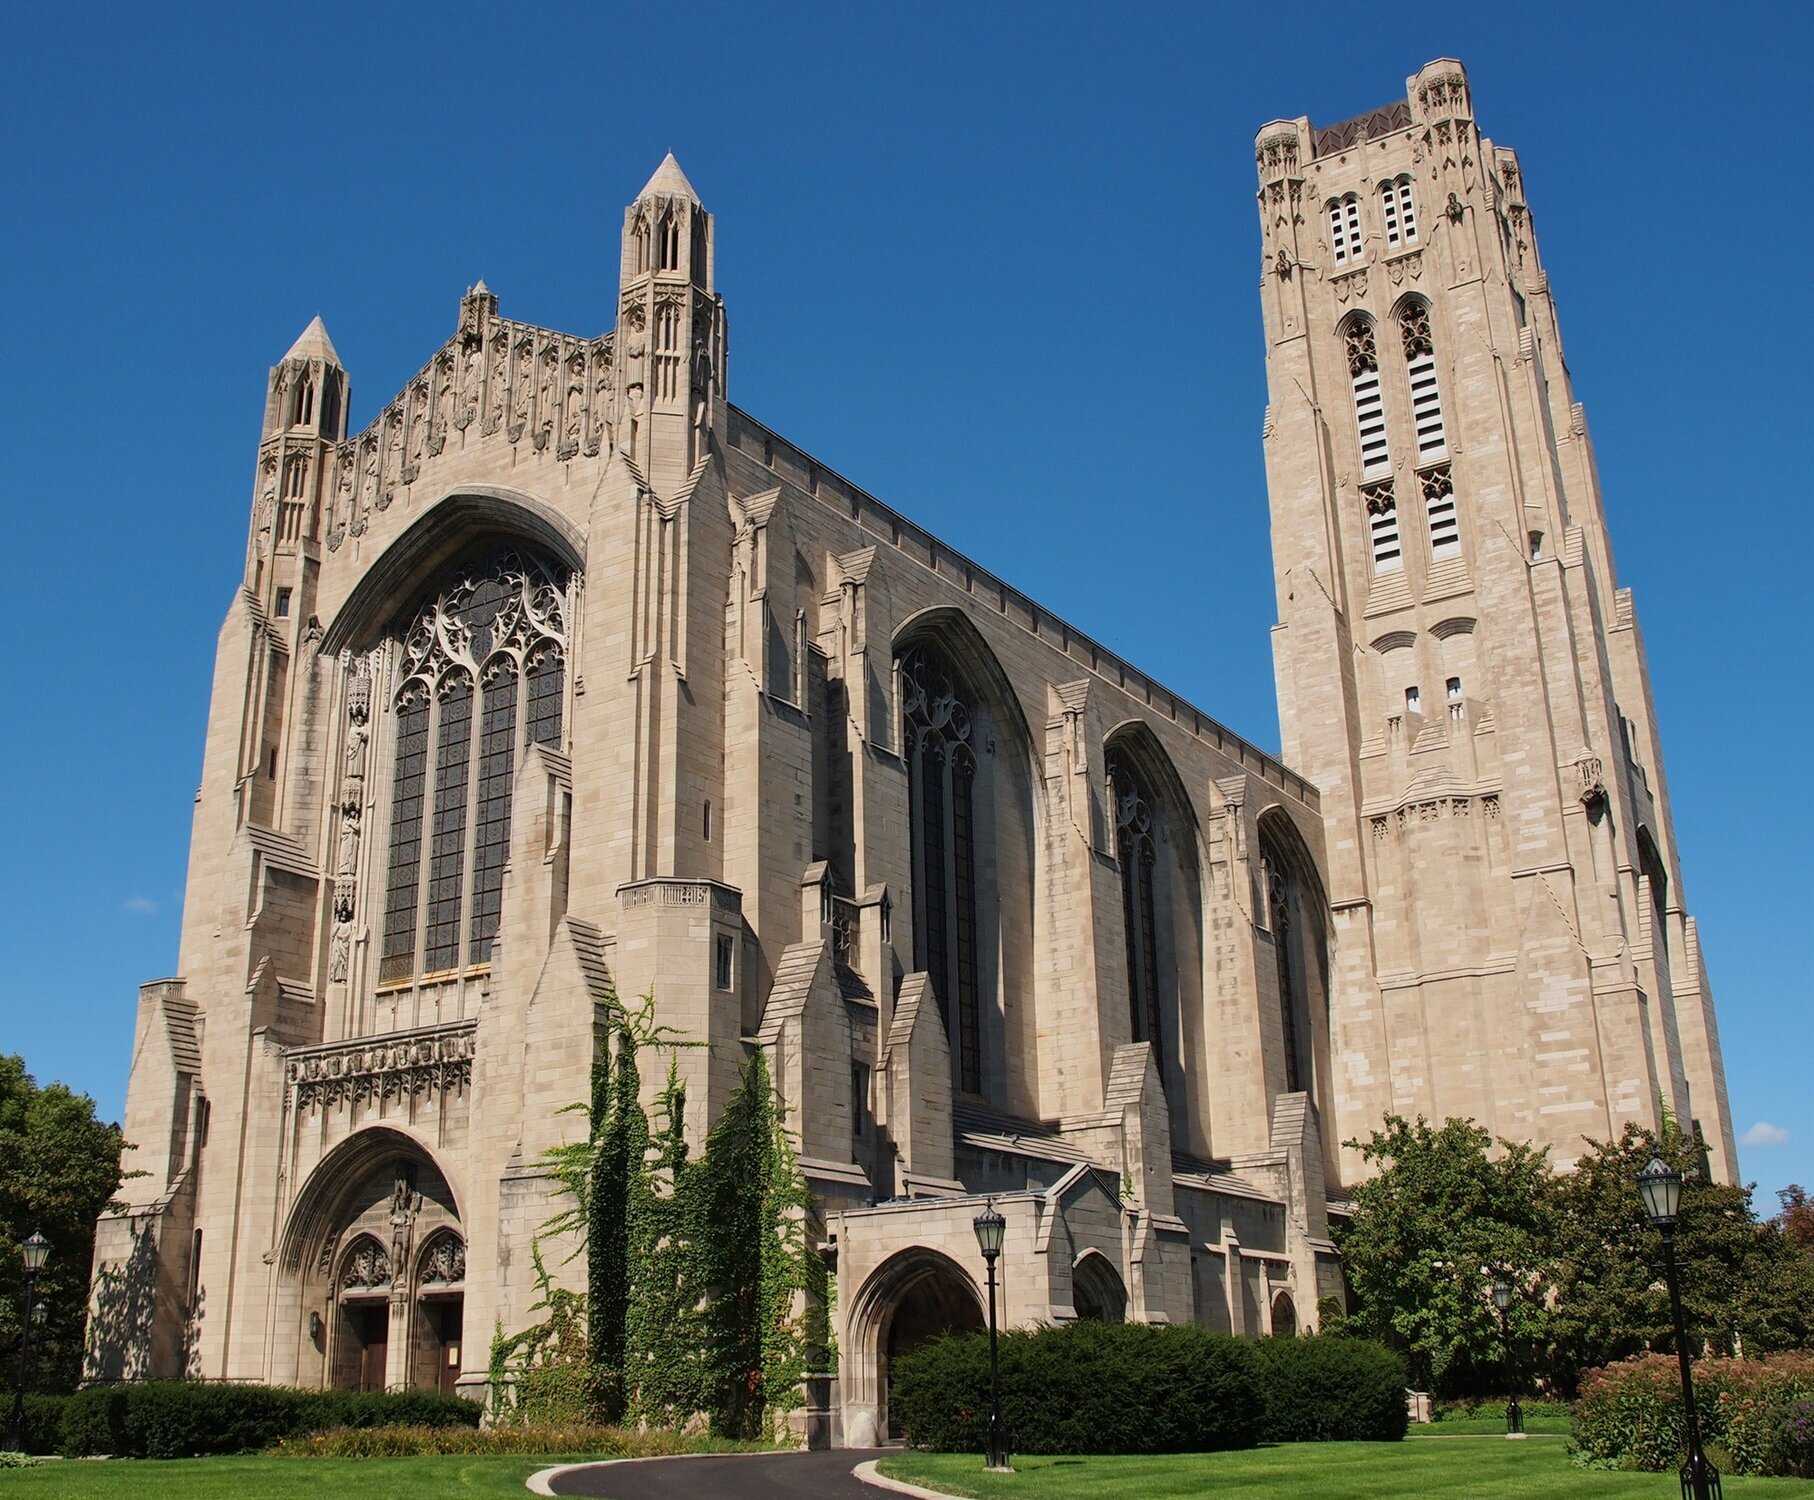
[(1796, 1218), (1744, 1285), (1441, 1218), (59, 1169)]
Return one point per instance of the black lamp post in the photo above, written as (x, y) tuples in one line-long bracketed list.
[(1514, 1414), (35, 1251), (1661, 1188), (990, 1228)]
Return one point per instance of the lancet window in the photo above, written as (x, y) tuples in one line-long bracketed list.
[(1344, 229), (1278, 918), (1398, 210), (481, 675), (1136, 850), (941, 762)]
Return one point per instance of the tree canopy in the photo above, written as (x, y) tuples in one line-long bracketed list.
[(1450, 1209), (59, 1168)]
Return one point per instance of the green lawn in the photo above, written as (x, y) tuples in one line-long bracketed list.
[(1489, 1467), (276, 1478)]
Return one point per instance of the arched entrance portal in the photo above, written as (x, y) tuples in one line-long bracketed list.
[(373, 1269), (909, 1300), (1284, 1316)]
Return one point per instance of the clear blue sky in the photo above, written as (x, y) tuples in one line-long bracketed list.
[(997, 264)]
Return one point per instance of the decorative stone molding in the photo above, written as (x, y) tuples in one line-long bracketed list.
[(1590, 776), (436, 1060), (668, 891)]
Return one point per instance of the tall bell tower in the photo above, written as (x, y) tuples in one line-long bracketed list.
[(1458, 668)]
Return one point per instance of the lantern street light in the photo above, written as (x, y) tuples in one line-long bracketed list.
[(1660, 1186), (990, 1228), (35, 1251), (1502, 1299)]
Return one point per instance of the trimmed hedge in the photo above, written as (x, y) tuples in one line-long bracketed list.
[(1084, 1388), (1757, 1415), (189, 1419), (43, 1429), (1326, 1389)]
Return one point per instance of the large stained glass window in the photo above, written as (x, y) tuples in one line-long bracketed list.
[(482, 672), (941, 791)]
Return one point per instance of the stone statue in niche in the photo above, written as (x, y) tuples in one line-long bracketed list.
[(522, 386), (340, 952), (546, 397), (472, 373), (602, 394), (393, 457), (702, 373), (418, 430), (499, 393), (443, 412), (406, 1202), (575, 427)]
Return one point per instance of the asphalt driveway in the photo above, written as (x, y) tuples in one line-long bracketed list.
[(760, 1476)]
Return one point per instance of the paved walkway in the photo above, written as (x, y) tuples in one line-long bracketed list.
[(762, 1476)]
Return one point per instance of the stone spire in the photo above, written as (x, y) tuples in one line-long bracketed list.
[(313, 343), (668, 182)]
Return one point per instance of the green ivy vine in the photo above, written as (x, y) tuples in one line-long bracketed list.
[(704, 1300)]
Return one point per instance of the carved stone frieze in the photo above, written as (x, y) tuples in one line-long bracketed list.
[(373, 1069)]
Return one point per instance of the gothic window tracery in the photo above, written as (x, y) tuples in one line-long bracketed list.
[(942, 769), (1420, 369), (444, 1261), (366, 1267), (1136, 850), (488, 644), (1369, 402)]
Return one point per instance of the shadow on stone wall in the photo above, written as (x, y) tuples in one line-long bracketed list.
[(122, 1307)]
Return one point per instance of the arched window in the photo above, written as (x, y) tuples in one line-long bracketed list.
[(1134, 848), (1398, 210), (670, 241), (1344, 229), (941, 764), (1420, 370), (305, 401), (484, 658)]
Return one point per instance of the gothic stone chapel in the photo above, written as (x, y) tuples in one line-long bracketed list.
[(566, 676)]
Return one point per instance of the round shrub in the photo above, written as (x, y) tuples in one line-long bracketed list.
[(1084, 1388), (1323, 1389)]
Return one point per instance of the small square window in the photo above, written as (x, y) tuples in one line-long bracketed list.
[(1454, 686), (722, 968), (283, 604), (1413, 701)]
